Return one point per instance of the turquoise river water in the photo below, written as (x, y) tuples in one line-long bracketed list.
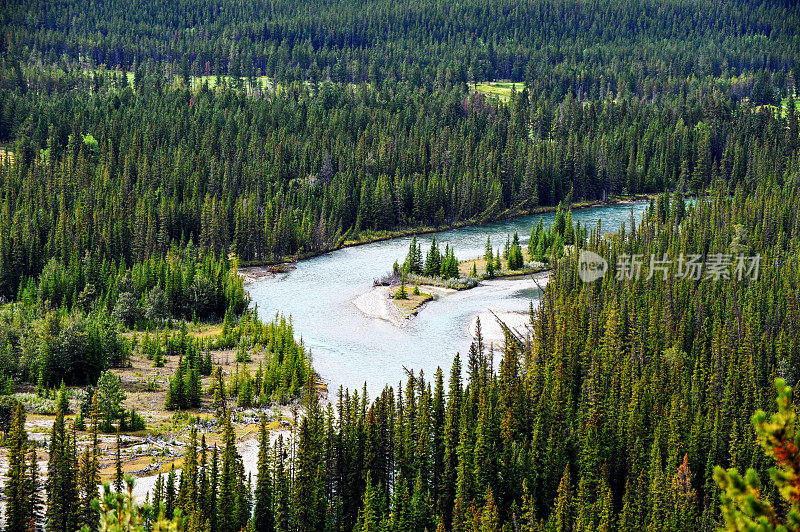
[(349, 348)]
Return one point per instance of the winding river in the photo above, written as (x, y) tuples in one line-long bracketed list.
[(350, 349)]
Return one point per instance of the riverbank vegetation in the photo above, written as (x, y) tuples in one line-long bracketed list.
[(409, 301), (436, 264), (544, 247), (612, 415)]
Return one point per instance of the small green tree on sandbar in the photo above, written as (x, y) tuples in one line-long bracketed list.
[(401, 293)]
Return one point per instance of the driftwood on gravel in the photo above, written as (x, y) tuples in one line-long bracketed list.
[(158, 442), (511, 334), (390, 279), (155, 466)]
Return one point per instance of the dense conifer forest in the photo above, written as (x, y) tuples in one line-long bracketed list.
[(557, 45), (149, 150), (616, 413)]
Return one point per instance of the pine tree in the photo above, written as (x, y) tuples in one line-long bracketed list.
[(743, 505), (490, 520), (19, 510), (489, 258), (212, 507), (34, 486), (433, 261), (307, 496), (204, 485), (282, 489), (369, 518), (118, 511), (169, 494), (528, 521), (62, 495), (262, 514), (226, 502), (157, 499), (702, 169), (176, 394), (90, 470), (118, 477), (188, 493), (219, 404), (562, 513), (401, 292), (413, 262), (684, 513)]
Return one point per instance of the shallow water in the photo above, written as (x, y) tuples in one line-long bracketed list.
[(350, 349)]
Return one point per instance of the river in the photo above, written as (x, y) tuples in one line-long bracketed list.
[(350, 349)]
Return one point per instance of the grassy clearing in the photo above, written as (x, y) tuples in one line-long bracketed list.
[(410, 307), (263, 82), (145, 387), (203, 331), (465, 268), (6, 154), (782, 109), (785, 106), (499, 89)]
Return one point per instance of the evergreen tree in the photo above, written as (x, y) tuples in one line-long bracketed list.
[(263, 512), (515, 258), (118, 476), (743, 505), (18, 508), (489, 258), (369, 519), (62, 495), (308, 489), (226, 500), (433, 260)]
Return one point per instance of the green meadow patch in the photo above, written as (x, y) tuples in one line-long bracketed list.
[(499, 89)]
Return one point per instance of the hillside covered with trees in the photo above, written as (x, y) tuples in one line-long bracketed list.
[(556, 46), (619, 412)]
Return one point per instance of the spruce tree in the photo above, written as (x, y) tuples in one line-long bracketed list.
[(489, 258), (369, 519), (262, 514), (118, 476), (308, 490), (90, 469), (62, 495), (18, 508), (226, 502), (213, 501), (34, 486), (169, 494)]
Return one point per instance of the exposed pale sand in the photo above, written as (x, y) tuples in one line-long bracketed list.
[(435, 291), (377, 303), (251, 274), (491, 330), (516, 321), (247, 448)]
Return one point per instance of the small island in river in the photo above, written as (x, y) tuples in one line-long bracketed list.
[(401, 294), (380, 302)]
